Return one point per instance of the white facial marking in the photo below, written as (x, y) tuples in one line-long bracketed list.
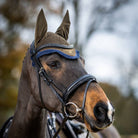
[(110, 111)]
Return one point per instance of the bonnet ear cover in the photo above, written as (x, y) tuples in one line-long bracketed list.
[(41, 34), (63, 29), (41, 27)]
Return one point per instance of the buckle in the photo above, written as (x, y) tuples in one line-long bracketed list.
[(77, 109), (41, 70)]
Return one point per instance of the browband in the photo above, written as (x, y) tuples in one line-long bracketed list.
[(38, 53), (50, 51)]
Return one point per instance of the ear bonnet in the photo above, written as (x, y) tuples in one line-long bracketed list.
[(65, 50)]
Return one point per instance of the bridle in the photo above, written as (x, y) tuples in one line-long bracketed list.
[(41, 72)]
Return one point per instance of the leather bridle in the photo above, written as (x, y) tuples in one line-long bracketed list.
[(41, 72)]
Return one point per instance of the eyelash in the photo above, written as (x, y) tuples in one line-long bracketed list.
[(54, 64)]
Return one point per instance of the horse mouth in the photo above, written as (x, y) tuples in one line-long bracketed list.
[(90, 127), (94, 127)]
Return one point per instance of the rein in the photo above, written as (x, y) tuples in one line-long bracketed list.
[(41, 72)]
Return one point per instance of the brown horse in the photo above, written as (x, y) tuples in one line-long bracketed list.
[(57, 82)]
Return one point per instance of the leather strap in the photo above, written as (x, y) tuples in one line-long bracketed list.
[(85, 94), (61, 126), (76, 84)]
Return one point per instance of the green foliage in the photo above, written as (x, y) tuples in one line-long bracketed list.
[(12, 50), (10, 69)]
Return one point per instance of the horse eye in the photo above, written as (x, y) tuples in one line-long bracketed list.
[(54, 64)]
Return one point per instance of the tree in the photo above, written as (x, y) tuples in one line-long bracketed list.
[(90, 17)]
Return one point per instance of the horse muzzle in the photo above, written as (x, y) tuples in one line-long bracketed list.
[(104, 116)]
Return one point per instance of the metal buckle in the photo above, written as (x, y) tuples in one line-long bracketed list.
[(77, 110), (41, 70)]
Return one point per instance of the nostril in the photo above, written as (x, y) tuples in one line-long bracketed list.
[(100, 112)]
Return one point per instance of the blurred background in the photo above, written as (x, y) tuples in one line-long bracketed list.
[(105, 32)]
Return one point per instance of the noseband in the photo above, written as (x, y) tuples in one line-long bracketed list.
[(41, 72)]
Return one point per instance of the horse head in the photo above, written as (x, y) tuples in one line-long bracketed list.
[(59, 81)]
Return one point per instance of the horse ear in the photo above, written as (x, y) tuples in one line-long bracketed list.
[(63, 29), (41, 27)]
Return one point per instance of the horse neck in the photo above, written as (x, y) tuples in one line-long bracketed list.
[(29, 120)]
